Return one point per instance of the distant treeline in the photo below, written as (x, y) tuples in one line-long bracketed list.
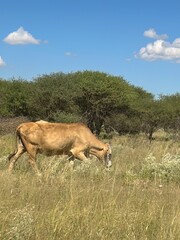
[(106, 103)]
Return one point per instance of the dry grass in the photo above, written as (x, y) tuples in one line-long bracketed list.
[(91, 202)]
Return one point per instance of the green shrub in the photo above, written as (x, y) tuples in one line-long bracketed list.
[(65, 117), (167, 169)]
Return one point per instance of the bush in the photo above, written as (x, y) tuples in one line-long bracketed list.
[(123, 124), (167, 169), (65, 117)]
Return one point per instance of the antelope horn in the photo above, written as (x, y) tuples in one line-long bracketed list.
[(108, 157)]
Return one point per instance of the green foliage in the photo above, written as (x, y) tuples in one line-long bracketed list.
[(48, 96), (65, 117), (96, 98), (123, 124), (100, 95), (4, 87), (171, 112), (14, 98)]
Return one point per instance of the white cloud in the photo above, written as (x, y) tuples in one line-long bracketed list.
[(160, 49), (176, 43), (20, 37), (2, 63), (70, 54), (151, 33)]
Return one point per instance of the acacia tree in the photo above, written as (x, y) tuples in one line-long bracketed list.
[(92, 97), (14, 98), (4, 111), (99, 96), (131, 118), (171, 109), (48, 96)]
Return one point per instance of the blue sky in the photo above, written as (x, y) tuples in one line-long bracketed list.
[(136, 39)]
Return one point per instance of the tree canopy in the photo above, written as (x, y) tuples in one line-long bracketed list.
[(96, 98)]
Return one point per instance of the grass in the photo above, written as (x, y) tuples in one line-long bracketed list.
[(139, 198)]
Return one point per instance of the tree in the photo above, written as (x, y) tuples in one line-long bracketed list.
[(171, 107), (49, 96), (98, 96), (130, 118), (14, 98)]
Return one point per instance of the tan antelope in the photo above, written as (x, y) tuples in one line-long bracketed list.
[(72, 139)]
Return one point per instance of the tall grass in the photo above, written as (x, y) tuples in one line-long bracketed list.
[(139, 198)]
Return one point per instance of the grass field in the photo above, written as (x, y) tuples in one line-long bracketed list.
[(139, 198)]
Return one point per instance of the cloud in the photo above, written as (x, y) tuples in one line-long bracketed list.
[(2, 63), (70, 54), (20, 37), (151, 33), (160, 49), (128, 59)]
